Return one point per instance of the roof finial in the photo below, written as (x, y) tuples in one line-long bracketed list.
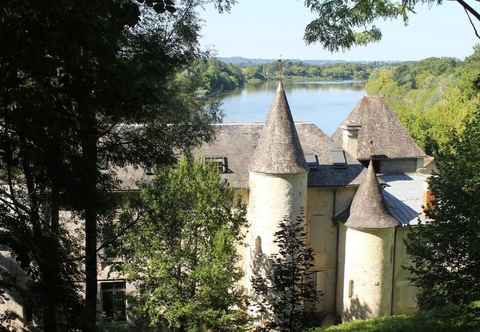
[(280, 69), (371, 149)]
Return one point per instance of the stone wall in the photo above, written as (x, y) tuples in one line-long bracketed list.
[(368, 273)]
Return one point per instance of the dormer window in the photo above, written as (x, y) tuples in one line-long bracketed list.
[(221, 163), (312, 160), (339, 159)]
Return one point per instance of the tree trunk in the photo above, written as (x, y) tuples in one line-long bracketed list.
[(89, 147), (51, 280)]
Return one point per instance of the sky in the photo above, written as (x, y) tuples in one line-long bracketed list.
[(273, 29)]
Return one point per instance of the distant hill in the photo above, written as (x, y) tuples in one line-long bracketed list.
[(241, 61)]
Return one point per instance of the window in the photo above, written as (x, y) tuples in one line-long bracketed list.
[(113, 300), (221, 163), (318, 280), (350, 288), (338, 158)]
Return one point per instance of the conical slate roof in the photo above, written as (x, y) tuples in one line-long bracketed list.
[(368, 209), (278, 149), (380, 125)]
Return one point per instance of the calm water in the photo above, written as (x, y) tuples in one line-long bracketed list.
[(324, 103)]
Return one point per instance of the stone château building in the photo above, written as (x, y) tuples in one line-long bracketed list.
[(359, 191)]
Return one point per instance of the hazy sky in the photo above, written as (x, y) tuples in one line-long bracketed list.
[(274, 28)]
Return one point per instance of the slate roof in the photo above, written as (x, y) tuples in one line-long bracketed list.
[(368, 209), (380, 126), (404, 196), (278, 149), (237, 142)]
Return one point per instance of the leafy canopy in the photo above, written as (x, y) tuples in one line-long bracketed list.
[(182, 254), (445, 253), (343, 24), (281, 282)]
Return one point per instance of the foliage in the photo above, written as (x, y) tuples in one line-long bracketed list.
[(83, 83), (298, 70), (182, 253), (449, 319), (215, 76), (344, 24), (445, 254), (282, 290), (431, 97)]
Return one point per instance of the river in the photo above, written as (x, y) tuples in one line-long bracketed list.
[(324, 103)]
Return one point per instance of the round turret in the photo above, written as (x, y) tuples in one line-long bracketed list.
[(277, 179), (369, 253)]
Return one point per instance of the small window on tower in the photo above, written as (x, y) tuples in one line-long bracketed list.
[(221, 163), (350, 288)]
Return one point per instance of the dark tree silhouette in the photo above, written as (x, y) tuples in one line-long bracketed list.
[(282, 284)]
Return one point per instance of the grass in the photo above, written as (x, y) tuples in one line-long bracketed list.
[(426, 322)]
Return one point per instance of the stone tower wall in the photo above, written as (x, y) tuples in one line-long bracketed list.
[(272, 197), (368, 273)]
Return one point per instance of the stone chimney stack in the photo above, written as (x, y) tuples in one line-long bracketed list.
[(350, 138)]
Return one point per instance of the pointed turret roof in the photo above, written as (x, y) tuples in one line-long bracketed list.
[(368, 209), (379, 124), (278, 150)]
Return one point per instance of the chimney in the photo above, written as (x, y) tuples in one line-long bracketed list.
[(350, 138)]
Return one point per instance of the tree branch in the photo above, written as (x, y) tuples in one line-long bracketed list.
[(469, 8), (473, 25)]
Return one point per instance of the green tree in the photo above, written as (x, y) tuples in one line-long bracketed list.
[(343, 24), (282, 283), (445, 253), (97, 80), (183, 252)]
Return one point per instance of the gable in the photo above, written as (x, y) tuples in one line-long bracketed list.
[(380, 132)]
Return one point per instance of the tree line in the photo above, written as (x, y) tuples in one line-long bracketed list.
[(216, 76)]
